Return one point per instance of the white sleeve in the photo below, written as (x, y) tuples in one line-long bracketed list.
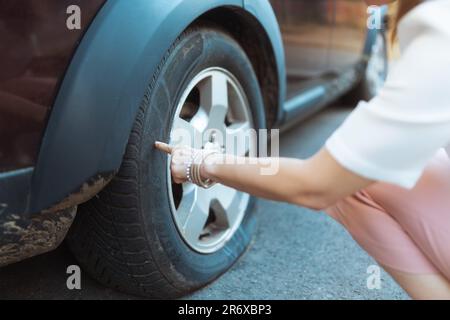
[(392, 137)]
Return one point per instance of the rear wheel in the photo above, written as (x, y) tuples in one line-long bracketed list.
[(144, 234)]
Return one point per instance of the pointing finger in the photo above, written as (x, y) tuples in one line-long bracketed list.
[(163, 147)]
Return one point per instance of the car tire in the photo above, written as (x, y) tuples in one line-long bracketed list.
[(126, 236), (375, 72)]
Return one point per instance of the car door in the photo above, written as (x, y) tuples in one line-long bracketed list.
[(35, 48), (349, 33), (306, 30)]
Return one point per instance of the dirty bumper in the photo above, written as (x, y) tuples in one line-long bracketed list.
[(23, 238)]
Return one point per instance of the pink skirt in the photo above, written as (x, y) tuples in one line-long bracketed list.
[(406, 230)]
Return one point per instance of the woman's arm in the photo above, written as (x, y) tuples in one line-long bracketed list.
[(317, 183)]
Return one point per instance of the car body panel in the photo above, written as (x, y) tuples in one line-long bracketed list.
[(35, 49), (306, 29), (349, 34), (14, 191), (321, 39), (348, 52)]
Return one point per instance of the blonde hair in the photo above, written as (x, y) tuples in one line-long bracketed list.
[(403, 7)]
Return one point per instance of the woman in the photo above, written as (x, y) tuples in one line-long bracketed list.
[(383, 174)]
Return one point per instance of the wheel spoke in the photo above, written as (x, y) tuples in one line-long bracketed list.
[(217, 118), (187, 202), (200, 120), (226, 203), (196, 218), (239, 138), (214, 98), (184, 133)]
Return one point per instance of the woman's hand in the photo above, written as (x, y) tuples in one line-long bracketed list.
[(187, 163), (181, 156)]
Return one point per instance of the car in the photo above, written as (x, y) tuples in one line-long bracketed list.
[(86, 90)]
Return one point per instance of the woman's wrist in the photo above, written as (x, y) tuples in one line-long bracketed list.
[(209, 166)]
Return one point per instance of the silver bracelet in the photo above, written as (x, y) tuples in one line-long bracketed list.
[(189, 167), (195, 167), (189, 170)]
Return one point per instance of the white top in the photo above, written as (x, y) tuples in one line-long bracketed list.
[(392, 137)]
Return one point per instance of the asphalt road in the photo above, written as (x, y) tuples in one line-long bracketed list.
[(296, 253)]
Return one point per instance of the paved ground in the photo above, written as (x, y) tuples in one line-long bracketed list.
[(296, 254)]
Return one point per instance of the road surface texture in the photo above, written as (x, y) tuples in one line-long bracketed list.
[(296, 253)]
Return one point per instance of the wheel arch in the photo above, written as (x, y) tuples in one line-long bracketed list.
[(264, 48), (96, 105)]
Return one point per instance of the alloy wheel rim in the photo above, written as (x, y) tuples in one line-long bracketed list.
[(212, 105)]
